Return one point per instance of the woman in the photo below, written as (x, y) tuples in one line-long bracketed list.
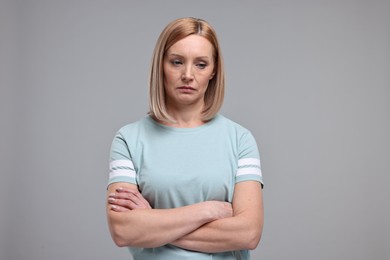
[(185, 182)]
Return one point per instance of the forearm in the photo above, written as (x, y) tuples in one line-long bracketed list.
[(228, 234), (133, 222), (207, 226), (241, 231), (156, 227)]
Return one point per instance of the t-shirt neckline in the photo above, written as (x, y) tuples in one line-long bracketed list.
[(181, 129)]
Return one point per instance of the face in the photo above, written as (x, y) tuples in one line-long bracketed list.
[(188, 68)]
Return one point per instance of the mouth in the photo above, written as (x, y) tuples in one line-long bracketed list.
[(186, 89)]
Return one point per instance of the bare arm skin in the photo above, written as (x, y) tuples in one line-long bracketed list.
[(240, 231), (146, 227)]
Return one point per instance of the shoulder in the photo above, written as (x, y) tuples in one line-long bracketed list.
[(243, 137), (134, 127), (231, 125), (127, 138)]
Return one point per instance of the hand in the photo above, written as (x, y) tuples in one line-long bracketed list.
[(221, 209), (127, 199)]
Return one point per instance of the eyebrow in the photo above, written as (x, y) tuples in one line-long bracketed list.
[(180, 56)]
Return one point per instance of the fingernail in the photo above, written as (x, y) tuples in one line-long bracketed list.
[(113, 207), (111, 195), (119, 189), (111, 199)]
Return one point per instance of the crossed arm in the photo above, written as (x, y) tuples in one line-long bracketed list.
[(211, 226)]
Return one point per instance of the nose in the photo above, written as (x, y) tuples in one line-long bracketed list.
[(187, 74)]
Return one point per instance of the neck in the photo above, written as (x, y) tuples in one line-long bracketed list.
[(186, 116)]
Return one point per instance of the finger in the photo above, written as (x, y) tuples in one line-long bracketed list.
[(124, 190), (126, 203), (128, 196), (117, 208), (134, 196), (141, 199)]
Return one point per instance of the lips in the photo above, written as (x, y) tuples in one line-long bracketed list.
[(186, 88)]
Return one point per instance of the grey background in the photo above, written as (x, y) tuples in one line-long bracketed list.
[(310, 79)]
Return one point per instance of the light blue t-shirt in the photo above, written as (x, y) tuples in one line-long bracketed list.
[(175, 167)]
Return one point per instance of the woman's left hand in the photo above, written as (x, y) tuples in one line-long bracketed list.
[(126, 200)]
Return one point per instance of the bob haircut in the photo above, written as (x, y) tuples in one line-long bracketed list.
[(174, 32)]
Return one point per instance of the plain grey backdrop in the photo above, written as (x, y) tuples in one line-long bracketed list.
[(310, 79)]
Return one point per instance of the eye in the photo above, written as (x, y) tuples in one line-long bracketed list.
[(176, 62), (201, 65)]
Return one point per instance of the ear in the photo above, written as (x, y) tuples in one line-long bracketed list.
[(212, 76)]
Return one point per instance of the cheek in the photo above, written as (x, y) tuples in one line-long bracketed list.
[(204, 81), (170, 76), (167, 74), (167, 79)]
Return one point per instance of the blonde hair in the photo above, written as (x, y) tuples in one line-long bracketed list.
[(174, 32)]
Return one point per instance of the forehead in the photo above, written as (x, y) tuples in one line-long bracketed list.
[(193, 45)]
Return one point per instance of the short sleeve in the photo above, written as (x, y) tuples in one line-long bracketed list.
[(121, 164), (249, 167)]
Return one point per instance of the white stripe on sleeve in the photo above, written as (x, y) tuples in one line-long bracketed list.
[(121, 163), (122, 168), (248, 161), (122, 173), (245, 171), (249, 166)]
